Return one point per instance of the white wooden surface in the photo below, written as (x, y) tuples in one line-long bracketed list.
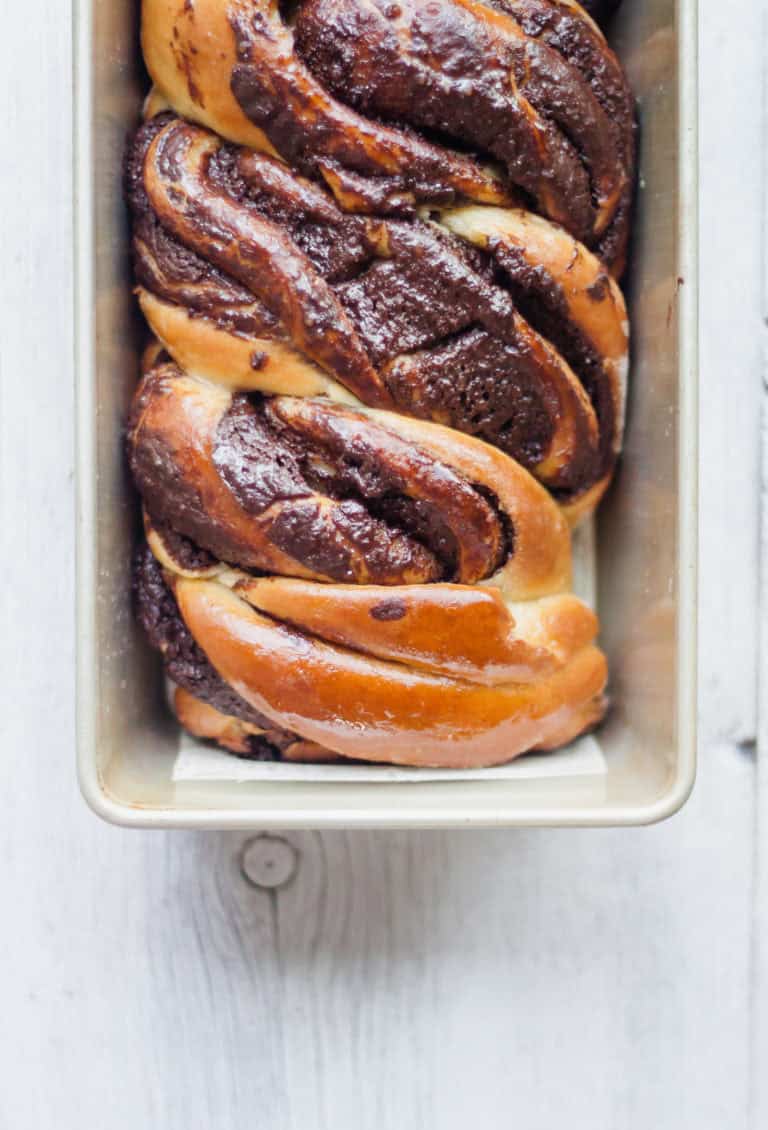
[(613, 980)]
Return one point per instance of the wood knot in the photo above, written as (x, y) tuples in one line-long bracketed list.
[(268, 862)]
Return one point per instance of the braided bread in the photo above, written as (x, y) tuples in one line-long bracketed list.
[(528, 84), (377, 247), (432, 675), (493, 321)]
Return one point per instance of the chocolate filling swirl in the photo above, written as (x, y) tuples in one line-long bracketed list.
[(402, 313), (304, 488), (527, 83)]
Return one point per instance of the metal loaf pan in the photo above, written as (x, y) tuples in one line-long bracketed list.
[(646, 528)]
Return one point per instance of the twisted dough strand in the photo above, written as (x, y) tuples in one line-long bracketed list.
[(391, 369), (528, 83), (231, 65), (252, 277), (366, 708), (432, 674)]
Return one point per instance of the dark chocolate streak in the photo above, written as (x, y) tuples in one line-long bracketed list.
[(447, 70), (386, 169), (265, 464), (435, 321), (542, 303), (581, 46), (268, 461), (186, 663)]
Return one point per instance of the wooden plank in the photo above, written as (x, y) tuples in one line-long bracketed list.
[(731, 94), (436, 978), (759, 938), (411, 980)]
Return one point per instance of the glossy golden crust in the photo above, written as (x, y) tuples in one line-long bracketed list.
[(369, 709), (442, 674), (468, 633), (188, 51)]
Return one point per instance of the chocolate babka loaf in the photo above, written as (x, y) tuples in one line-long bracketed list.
[(377, 245), (394, 105)]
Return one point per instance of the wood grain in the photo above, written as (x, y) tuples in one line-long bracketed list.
[(759, 938), (615, 980), (731, 266)]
